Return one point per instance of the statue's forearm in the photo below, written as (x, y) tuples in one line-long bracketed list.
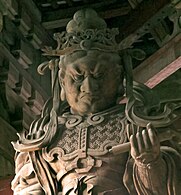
[(153, 176)]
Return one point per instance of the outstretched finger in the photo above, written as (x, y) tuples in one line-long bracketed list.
[(146, 139), (152, 134), (134, 146), (141, 145)]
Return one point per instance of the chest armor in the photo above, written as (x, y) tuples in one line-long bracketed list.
[(80, 151), (92, 135)]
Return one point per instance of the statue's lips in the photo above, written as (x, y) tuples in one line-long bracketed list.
[(90, 97)]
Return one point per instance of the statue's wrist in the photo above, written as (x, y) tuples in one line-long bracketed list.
[(151, 164)]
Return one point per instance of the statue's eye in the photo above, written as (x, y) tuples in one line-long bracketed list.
[(78, 78), (98, 75)]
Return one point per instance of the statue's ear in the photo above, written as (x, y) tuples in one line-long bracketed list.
[(62, 84), (62, 94), (61, 76)]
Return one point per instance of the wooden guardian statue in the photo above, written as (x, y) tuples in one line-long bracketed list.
[(86, 142)]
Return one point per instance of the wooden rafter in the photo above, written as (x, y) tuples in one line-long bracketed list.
[(140, 15), (160, 65), (59, 18)]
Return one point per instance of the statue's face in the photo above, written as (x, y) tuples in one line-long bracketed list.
[(91, 84)]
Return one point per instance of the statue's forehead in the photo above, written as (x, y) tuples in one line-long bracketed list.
[(87, 64)]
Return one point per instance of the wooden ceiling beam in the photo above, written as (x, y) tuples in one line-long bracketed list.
[(111, 13), (104, 14), (59, 23), (141, 15), (164, 73), (69, 11), (59, 18), (161, 64), (137, 18), (141, 21)]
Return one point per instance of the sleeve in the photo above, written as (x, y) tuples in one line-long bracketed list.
[(25, 180), (160, 177)]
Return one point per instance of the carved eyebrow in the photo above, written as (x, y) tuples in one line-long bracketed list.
[(98, 68), (75, 71)]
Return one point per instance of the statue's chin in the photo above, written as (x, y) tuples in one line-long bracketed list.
[(85, 109), (89, 108)]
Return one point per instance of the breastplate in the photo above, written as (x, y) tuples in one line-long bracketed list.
[(93, 135), (81, 150)]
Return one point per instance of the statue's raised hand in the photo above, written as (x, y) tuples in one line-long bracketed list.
[(145, 145)]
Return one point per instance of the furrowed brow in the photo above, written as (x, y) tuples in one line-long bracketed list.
[(97, 68), (75, 71)]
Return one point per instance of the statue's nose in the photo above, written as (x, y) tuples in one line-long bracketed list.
[(89, 85)]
